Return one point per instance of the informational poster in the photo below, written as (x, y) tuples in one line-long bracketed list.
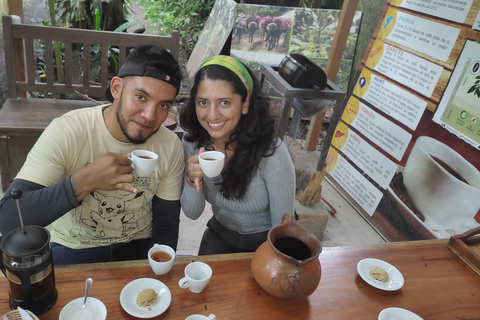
[(476, 24), (459, 109), (406, 152), (453, 10)]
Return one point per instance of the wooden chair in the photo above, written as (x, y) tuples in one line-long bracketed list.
[(23, 117)]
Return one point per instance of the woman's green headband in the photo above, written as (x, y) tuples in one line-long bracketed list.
[(234, 65)]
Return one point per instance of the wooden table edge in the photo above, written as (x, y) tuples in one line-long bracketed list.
[(140, 263), (233, 256)]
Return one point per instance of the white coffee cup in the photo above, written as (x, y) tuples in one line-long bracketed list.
[(211, 163), (446, 200), (201, 317), (197, 276), (157, 258), (143, 162)]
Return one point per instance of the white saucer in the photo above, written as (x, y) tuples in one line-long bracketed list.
[(397, 314), (128, 298), (395, 278)]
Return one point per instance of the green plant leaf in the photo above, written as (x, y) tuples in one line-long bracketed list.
[(125, 26), (98, 18)]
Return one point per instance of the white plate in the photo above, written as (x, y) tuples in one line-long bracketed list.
[(397, 314), (395, 278), (128, 298)]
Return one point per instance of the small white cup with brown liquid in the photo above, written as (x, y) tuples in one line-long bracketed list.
[(211, 163), (144, 162), (160, 258)]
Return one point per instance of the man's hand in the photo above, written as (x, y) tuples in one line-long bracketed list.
[(111, 171)]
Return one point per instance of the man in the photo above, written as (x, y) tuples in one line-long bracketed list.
[(78, 175)]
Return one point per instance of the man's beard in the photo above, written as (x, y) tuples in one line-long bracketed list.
[(123, 125)]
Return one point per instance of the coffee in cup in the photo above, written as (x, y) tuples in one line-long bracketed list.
[(211, 163), (161, 258), (143, 162)]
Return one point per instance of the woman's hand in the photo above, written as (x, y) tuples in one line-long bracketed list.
[(195, 172)]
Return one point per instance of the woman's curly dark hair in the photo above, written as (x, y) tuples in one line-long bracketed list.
[(254, 137)]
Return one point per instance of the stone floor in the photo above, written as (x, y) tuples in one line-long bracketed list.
[(344, 228)]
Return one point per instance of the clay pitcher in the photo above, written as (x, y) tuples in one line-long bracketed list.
[(287, 264)]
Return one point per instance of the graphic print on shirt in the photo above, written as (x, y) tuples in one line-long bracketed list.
[(112, 216)]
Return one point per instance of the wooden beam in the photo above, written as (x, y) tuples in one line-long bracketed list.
[(15, 7), (333, 64)]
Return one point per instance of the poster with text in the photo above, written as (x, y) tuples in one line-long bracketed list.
[(406, 152)]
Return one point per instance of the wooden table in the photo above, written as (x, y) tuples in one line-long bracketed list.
[(438, 285)]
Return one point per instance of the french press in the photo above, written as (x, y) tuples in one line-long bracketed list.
[(28, 266)]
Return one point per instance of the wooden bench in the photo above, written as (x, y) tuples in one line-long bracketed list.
[(24, 117)]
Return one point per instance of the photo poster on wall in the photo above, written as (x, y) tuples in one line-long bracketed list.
[(406, 151), (309, 32), (266, 34)]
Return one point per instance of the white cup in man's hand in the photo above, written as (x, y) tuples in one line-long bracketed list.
[(211, 163), (144, 162)]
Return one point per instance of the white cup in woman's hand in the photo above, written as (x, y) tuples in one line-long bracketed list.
[(211, 163)]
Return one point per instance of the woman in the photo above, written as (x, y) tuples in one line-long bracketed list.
[(228, 112)]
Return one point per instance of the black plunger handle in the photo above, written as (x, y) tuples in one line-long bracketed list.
[(16, 194)]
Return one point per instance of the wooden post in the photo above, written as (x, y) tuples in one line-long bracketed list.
[(333, 64), (15, 8)]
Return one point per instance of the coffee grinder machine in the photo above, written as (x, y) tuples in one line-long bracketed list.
[(27, 263)]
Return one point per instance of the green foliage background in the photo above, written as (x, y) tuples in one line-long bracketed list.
[(189, 16), (372, 10)]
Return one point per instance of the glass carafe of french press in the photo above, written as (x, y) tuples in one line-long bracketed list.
[(27, 262)]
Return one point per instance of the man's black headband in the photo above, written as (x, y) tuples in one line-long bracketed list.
[(131, 69)]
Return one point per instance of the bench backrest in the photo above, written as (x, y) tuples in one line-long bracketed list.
[(73, 42)]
